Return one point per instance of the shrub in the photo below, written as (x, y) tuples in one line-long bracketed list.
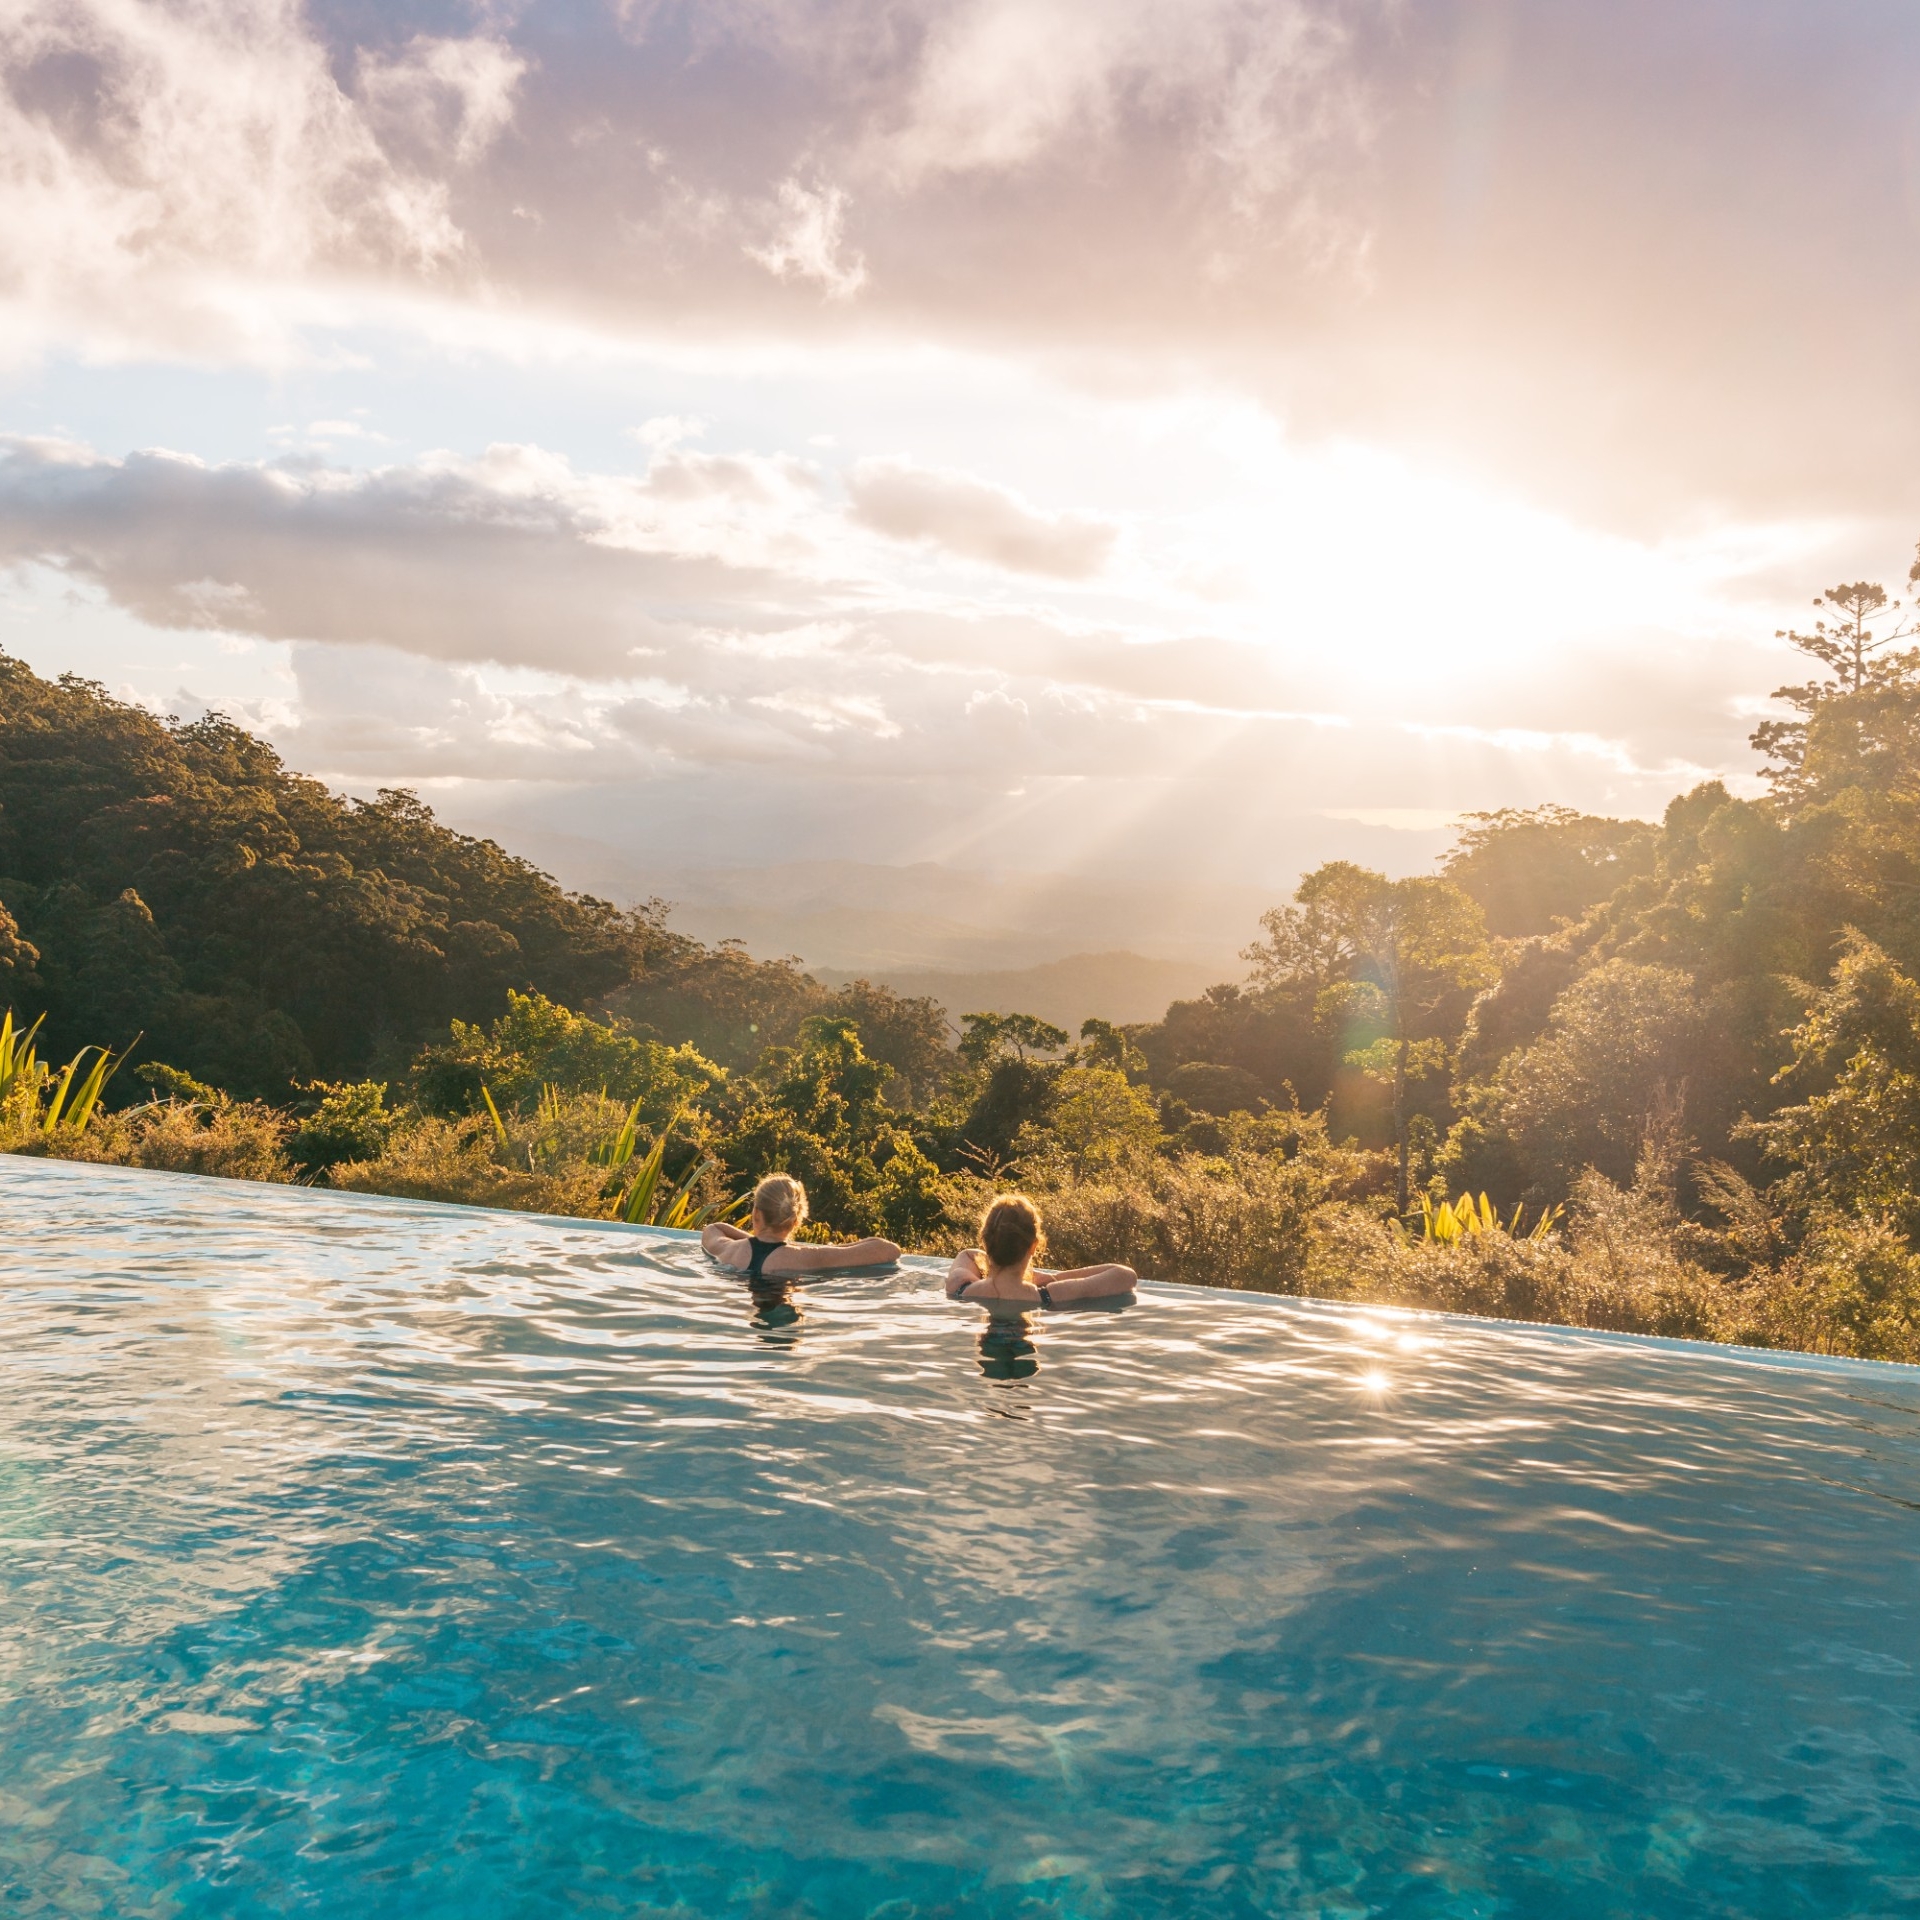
[(235, 1140), (1616, 1266), (537, 1044), (352, 1122), (1249, 1218), (460, 1162), (1853, 1287), (561, 1158)]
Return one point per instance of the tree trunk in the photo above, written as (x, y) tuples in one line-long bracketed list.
[(1400, 1112)]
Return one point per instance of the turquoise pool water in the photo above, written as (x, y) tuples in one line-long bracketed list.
[(372, 1559)]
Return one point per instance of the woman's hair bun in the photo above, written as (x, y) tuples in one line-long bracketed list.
[(1010, 1230)]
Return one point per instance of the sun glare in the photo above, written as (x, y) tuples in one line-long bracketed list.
[(1367, 565)]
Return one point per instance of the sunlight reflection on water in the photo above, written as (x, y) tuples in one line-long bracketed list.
[(365, 1556)]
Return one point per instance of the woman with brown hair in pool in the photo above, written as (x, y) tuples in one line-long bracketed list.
[(999, 1273)]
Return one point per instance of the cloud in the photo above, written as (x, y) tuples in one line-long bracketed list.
[(976, 520), (715, 608), (511, 557), (517, 557), (182, 162), (718, 623), (1591, 249), (809, 243), (1550, 254), (448, 100), (1253, 87), (163, 165)]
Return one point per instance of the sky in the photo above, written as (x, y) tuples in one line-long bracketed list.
[(1120, 438)]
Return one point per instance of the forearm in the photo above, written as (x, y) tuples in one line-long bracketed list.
[(1091, 1283), (815, 1259), (963, 1273)]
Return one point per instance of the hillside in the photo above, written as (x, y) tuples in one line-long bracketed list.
[(1125, 988)]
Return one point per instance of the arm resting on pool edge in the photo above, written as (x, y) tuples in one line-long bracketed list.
[(717, 1239), (969, 1265), (728, 1245), (797, 1259), (1089, 1283)]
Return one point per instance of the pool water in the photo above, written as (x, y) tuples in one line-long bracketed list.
[(369, 1558)]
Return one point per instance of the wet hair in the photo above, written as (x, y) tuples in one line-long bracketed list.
[(781, 1201), (1010, 1231)]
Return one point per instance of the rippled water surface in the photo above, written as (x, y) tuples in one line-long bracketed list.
[(369, 1559)]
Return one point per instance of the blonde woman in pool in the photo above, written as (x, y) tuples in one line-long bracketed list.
[(1000, 1275), (765, 1252)]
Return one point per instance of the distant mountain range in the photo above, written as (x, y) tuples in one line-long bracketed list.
[(889, 923), (1107, 986)]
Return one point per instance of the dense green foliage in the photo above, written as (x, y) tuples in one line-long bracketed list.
[(1687, 1055), (176, 881)]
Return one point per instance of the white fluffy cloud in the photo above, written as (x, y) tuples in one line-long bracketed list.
[(162, 166)]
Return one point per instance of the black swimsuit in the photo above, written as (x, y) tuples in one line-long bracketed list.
[(758, 1256)]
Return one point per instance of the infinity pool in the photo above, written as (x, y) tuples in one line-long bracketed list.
[(365, 1558)]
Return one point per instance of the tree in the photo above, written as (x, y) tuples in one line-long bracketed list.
[(909, 1200), (1006, 1087), (995, 1036), (1014, 1096), (1102, 1044), (18, 958), (177, 877), (1619, 1047), (1391, 962), (1853, 648), (1270, 1034), (819, 1114), (722, 999), (1848, 646), (1099, 1121), (1854, 1142), (1530, 868), (907, 1033), (1214, 1089)]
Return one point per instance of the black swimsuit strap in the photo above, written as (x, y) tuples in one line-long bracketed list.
[(757, 1257)]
